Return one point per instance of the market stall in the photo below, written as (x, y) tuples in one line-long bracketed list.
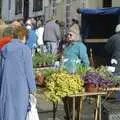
[(97, 25), (60, 84)]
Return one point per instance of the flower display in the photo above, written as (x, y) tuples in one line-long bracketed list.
[(61, 84), (100, 77)]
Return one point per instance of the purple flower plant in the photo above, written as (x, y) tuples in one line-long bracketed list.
[(95, 78)]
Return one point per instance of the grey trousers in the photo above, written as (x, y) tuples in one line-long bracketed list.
[(51, 47)]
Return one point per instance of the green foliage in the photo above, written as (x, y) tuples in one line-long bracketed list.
[(107, 75), (116, 80), (37, 60), (61, 84), (41, 59), (48, 72), (104, 73), (81, 70)]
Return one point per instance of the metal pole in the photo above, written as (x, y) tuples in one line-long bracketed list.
[(68, 13)]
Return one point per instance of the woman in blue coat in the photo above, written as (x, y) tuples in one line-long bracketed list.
[(16, 78)]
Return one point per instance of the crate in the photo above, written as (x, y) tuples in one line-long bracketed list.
[(111, 110)]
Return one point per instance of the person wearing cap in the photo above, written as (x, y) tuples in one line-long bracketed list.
[(112, 49)]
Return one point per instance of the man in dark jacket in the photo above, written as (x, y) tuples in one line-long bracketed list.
[(113, 50)]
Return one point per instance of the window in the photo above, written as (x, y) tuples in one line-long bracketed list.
[(107, 3), (18, 6), (37, 5)]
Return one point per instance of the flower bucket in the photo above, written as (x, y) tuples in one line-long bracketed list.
[(40, 79), (92, 87)]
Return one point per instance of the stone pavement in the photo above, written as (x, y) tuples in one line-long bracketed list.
[(45, 110)]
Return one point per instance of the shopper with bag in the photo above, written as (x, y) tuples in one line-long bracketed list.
[(32, 113), (16, 77)]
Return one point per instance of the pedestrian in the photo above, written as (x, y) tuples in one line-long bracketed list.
[(16, 77), (63, 33), (7, 36), (39, 33), (16, 24), (51, 36), (112, 48), (7, 33), (32, 37)]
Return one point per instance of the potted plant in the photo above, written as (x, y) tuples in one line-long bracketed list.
[(43, 60), (107, 75), (50, 59), (37, 60), (96, 79), (82, 70)]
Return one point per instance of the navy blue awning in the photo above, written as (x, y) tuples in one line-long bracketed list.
[(100, 11)]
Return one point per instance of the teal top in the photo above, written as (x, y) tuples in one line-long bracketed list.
[(75, 53)]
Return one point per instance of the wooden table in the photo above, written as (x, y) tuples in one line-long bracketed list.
[(98, 103), (98, 95), (97, 115)]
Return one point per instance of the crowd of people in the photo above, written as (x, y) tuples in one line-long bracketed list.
[(19, 42)]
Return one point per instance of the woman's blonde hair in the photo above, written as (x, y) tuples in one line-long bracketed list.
[(75, 29)]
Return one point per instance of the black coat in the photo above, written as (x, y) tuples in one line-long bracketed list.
[(113, 50)]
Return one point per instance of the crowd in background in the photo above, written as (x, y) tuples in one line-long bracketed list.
[(18, 43), (39, 35), (48, 37)]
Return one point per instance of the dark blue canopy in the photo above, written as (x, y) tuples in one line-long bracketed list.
[(100, 11)]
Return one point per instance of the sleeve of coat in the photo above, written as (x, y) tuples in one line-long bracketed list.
[(109, 46), (29, 70), (83, 55)]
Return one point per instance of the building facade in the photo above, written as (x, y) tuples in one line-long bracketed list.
[(64, 10), (18, 9)]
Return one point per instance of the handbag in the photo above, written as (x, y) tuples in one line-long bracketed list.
[(32, 113)]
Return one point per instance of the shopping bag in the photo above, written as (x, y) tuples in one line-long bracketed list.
[(32, 114)]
